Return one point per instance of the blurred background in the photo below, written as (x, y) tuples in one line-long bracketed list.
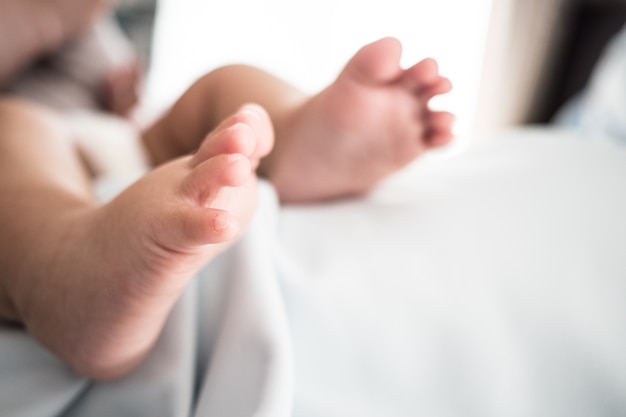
[(307, 43), (512, 62)]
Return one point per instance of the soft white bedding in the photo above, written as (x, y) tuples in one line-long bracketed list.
[(490, 284)]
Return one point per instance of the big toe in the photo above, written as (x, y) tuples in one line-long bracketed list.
[(248, 132), (261, 124), (376, 62)]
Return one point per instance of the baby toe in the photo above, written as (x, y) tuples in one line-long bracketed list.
[(208, 178), (439, 128), (200, 226), (232, 138), (422, 75)]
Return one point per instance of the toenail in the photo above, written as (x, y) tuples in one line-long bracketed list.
[(253, 109), (233, 157), (220, 222)]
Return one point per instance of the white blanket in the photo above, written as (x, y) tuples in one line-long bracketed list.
[(488, 284)]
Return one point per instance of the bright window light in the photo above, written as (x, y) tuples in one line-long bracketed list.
[(307, 43)]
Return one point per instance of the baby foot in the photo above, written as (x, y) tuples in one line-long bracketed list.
[(144, 246), (373, 120), (192, 208)]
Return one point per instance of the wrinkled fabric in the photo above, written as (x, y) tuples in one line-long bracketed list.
[(485, 284)]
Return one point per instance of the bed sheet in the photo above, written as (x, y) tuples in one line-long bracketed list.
[(490, 283)]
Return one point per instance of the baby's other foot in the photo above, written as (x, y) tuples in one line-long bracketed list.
[(372, 121)]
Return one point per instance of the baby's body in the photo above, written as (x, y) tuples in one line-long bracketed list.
[(94, 283)]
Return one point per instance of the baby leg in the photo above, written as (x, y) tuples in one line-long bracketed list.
[(95, 283)]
